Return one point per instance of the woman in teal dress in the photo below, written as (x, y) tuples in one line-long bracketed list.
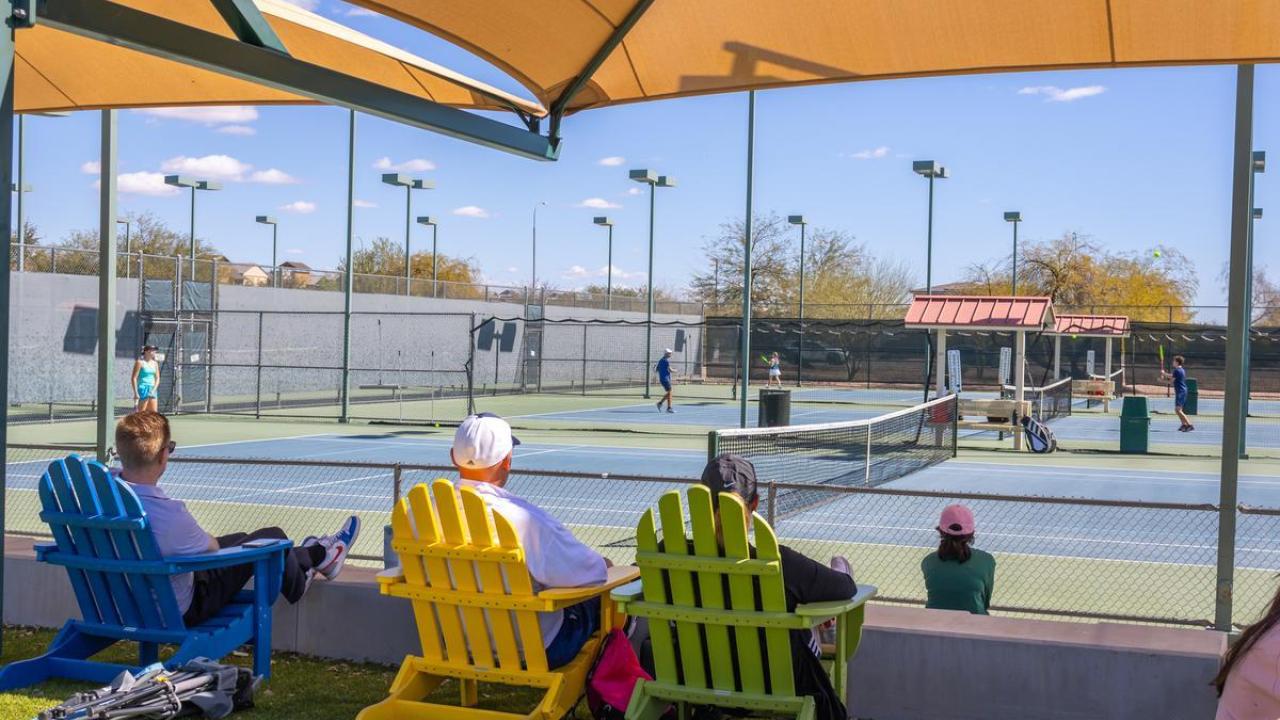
[(146, 380)]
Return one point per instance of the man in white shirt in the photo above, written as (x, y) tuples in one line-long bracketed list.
[(144, 444), (482, 449)]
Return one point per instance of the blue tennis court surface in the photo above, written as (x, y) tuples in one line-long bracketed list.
[(1164, 430), (706, 413)]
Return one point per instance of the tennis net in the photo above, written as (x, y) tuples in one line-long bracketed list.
[(1047, 403), (862, 452)]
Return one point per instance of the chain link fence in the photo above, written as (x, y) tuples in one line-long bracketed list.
[(1057, 557)]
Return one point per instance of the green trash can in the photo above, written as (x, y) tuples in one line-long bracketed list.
[(1193, 397), (1135, 425)]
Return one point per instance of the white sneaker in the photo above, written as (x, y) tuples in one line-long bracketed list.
[(337, 546)]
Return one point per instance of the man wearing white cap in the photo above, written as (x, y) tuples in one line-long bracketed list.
[(482, 449), (664, 376)]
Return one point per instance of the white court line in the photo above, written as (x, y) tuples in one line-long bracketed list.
[(1111, 473), (602, 449), (307, 486), (246, 442)]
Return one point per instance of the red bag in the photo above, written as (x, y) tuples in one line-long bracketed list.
[(611, 681)]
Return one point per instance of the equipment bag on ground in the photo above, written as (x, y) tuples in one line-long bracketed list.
[(1040, 438), (201, 688)]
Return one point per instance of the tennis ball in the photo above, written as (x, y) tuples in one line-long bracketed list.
[(1156, 253)]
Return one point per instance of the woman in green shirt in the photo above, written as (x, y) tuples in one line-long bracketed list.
[(958, 576)]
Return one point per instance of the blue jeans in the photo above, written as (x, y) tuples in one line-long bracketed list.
[(581, 621)]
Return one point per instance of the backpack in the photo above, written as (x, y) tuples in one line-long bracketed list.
[(1040, 438), (613, 677)]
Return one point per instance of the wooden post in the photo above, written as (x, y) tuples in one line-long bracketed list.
[(1106, 364), (940, 362), (1019, 373)]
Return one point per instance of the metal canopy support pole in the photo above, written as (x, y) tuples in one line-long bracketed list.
[(1106, 365), (1013, 287), (744, 353), (21, 189), (928, 263), (275, 263), (349, 275), (940, 362), (6, 249), (648, 325), (1057, 357), (1237, 327), (608, 283), (800, 358), (1020, 371), (1257, 163), (408, 226), (106, 284), (435, 260), (192, 243)]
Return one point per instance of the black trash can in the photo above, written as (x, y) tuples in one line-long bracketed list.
[(1193, 397), (775, 407)]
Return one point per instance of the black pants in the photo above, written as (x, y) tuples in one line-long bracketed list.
[(213, 589)]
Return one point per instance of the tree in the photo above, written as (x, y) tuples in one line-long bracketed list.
[(1081, 276), (1266, 296), (839, 273), (379, 267)]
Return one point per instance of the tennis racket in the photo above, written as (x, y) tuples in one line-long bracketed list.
[(1161, 350)]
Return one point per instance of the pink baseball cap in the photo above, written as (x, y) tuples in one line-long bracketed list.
[(956, 520)]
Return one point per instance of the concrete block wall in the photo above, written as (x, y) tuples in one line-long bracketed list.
[(914, 664)]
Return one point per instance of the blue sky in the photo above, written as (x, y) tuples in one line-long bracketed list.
[(1134, 158)]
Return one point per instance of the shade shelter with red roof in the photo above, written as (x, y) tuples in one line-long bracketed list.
[(1107, 327), (1019, 315)]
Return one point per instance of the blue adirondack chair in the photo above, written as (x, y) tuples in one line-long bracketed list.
[(103, 538)]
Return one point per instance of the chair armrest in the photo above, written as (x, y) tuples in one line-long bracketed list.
[(820, 612), (43, 549), (390, 576), (559, 598), (228, 557)]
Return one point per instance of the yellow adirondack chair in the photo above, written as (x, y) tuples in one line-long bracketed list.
[(464, 570), (725, 601)]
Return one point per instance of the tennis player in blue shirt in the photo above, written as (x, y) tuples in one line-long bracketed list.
[(664, 376), (1179, 379)]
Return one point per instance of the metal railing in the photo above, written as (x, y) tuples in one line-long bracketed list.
[(1072, 558)]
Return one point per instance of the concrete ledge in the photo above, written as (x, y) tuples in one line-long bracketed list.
[(917, 664), (914, 664)]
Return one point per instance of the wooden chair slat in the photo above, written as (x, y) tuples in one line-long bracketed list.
[(773, 598), (680, 582), (121, 597), (62, 538), (139, 587), (425, 508), (81, 543), (159, 587), (479, 576), (412, 567), (520, 584), (742, 595), (711, 585)]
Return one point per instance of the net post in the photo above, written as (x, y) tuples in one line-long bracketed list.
[(471, 365), (867, 475), (257, 403), (771, 507), (955, 426), (584, 358), (713, 444), (397, 476)]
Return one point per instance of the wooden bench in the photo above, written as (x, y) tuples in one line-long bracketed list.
[(996, 415)]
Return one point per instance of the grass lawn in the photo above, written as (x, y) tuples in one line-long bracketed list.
[(300, 687)]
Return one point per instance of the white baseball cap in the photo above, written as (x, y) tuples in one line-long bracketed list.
[(482, 440), (668, 351)]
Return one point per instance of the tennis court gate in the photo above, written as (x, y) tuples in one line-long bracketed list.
[(177, 315)]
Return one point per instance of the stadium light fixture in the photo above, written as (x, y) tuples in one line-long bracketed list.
[(409, 184), (1015, 217), (604, 221), (799, 220), (194, 184), (654, 181), (931, 170), (275, 266), (430, 221)]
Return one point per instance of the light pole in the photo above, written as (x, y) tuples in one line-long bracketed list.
[(1015, 217), (608, 286), (128, 243), (194, 184), (429, 221), (533, 274), (275, 265), (929, 169), (654, 181), (409, 184), (799, 220)]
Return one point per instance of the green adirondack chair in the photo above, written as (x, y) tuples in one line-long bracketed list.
[(748, 646)]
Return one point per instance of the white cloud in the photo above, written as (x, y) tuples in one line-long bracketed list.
[(411, 165), (364, 203), (211, 115), (471, 211), (91, 167), (237, 130), (598, 204), (360, 12), (578, 272), (272, 176), (311, 5), (294, 251), (144, 183), (217, 167), (872, 153), (612, 161), (301, 207), (513, 269), (1053, 93), (634, 191)]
